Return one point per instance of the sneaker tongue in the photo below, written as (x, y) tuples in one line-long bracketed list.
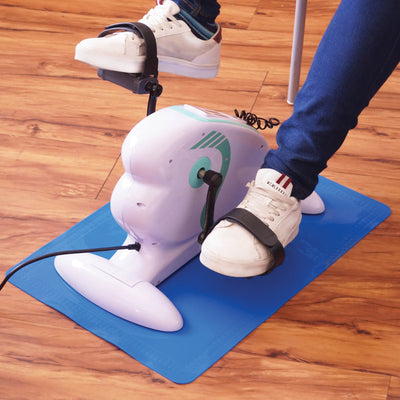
[(269, 178)]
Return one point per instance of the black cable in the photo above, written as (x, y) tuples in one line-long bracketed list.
[(134, 246), (257, 122)]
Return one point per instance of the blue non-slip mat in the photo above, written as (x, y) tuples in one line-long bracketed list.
[(218, 311)]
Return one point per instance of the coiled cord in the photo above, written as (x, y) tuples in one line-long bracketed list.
[(257, 122)]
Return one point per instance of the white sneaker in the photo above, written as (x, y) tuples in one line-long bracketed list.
[(179, 50), (232, 250)]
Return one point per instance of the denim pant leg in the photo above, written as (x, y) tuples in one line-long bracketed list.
[(358, 52), (204, 11)]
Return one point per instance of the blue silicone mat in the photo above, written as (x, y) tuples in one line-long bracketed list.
[(218, 311)]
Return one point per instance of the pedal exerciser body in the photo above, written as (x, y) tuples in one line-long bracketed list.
[(160, 202)]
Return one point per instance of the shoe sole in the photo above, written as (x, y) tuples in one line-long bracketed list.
[(166, 64), (187, 68), (234, 270)]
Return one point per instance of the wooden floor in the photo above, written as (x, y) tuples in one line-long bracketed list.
[(61, 129)]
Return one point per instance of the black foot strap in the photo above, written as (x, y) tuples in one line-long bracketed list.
[(141, 83), (261, 231)]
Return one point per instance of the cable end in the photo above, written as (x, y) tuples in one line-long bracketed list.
[(134, 246)]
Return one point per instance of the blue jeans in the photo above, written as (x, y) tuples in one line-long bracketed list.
[(204, 11), (358, 52)]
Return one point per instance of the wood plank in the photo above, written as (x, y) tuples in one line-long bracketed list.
[(394, 389), (74, 367)]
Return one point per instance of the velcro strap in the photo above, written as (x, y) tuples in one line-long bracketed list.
[(257, 228), (142, 30)]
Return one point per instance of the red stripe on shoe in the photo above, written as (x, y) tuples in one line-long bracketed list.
[(281, 178), (286, 184), (218, 36)]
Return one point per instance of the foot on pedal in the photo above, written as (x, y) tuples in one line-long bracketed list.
[(180, 49), (230, 249)]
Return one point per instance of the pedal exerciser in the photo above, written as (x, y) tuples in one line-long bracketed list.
[(184, 165)]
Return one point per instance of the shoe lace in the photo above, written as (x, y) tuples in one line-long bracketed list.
[(265, 204), (158, 19)]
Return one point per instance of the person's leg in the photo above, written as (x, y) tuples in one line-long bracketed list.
[(203, 11), (359, 50)]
